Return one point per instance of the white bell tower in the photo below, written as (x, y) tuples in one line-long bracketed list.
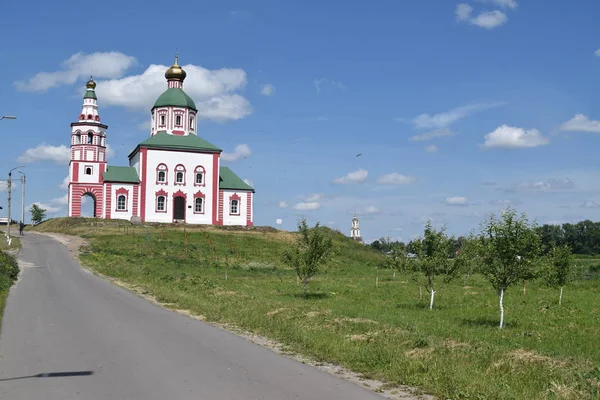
[(355, 231)]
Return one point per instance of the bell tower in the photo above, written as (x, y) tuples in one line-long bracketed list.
[(355, 231), (88, 155)]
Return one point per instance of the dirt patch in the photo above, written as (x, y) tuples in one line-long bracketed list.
[(273, 313), (419, 353), (365, 337), (314, 314), (453, 344), (354, 320)]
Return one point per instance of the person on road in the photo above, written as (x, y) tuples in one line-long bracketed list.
[(21, 228)]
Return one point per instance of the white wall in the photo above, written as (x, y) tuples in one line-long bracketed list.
[(228, 218), (190, 161), (114, 214), (135, 163)]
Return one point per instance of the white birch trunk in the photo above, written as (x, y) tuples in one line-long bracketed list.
[(394, 277), (560, 297), (501, 308), (420, 292), (431, 301)]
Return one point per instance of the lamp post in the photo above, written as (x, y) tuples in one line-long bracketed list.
[(22, 197), (9, 190)]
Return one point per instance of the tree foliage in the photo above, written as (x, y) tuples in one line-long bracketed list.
[(469, 257), (37, 214), (510, 251), (312, 249), (433, 252), (558, 269)]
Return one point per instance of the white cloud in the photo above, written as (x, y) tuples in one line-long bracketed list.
[(489, 19), (431, 149), (543, 186), (314, 197), (371, 210), (62, 201), (431, 135), (445, 119), (512, 4), (581, 123), (304, 206), (3, 186), (317, 83), (213, 91), (248, 182), (463, 12), (511, 137), (283, 204), (107, 65), (267, 90), (339, 85), (395, 179), (50, 209), (457, 201), (590, 204), (241, 150), (45, 152), (279, 221), (597, 52), (65, 183), (505, 203), (353, 177)]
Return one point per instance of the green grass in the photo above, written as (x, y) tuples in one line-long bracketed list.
[(15, 243), (455, 351), (8, 274)]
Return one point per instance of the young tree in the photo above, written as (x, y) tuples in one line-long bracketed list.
[(398, 259), (558, 271), (510, 250), (433, 260), (313, 248), (37, 213), (469, 257)]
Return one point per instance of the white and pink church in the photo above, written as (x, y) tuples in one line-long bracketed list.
[(173, 176)]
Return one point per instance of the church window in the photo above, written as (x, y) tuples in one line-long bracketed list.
[(178, 120), (199, 176), (180, 175), (90, 138), (88, 170), (198, 204), (161, 174), (235, 207), (191, 123), (162, 120), (121, 203), (160, 203)]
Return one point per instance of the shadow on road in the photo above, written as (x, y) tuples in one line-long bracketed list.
[(51, 375)]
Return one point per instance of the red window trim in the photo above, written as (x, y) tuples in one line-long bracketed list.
[(175, 177), (166, 171), (159, 193), (200, 195), (200, 167), (239, 204)]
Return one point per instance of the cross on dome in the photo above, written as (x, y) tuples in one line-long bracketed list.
[(175, 72)]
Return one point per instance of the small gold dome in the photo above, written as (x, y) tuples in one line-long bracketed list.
[(175, 71), (90, 84)]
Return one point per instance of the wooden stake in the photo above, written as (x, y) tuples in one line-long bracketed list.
[(524, 288), (377, 280)]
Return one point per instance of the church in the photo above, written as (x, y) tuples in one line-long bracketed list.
[(173, 176)]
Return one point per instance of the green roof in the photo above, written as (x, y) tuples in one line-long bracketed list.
[(229, 180), (90, 94), (121, 174), (175, 97), (189, 142)]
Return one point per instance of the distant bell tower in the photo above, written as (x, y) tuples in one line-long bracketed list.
[(88, 155), (355, 232)]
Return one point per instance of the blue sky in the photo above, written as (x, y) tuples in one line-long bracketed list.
[(459, 108)]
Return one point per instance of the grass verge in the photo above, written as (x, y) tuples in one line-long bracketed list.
[(383, 331), (9, 270)]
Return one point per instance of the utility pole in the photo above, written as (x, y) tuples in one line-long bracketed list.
[(22, 197), (9, 193)]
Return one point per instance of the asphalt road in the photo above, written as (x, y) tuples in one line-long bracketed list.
[(68, 334)]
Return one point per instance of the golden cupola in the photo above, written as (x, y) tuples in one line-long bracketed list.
[(175, 72)]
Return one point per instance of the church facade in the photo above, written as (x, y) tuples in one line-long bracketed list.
[(173, 176)]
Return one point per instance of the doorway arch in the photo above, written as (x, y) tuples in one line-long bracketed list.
[(179, 206), (88, 205)]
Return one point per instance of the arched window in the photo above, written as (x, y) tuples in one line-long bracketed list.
[(161, 174), (160, 203), (162, 120), (90, 138), (199, 205), (235, 207), (192, 123), (178, 120), (121, 202), (78, 138), (199, 176), (180, 175), (90, 116), (88, 170)]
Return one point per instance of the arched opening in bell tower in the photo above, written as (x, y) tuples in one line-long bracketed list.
[(88, 205)]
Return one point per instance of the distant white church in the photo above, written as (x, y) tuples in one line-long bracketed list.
[(355, 230), (173, 176)]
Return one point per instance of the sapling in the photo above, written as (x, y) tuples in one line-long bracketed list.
[(510, 250), (559, 267), (433, 260)]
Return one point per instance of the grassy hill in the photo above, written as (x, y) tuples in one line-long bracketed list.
[(385, 331)]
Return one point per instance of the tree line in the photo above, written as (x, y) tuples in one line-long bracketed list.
[(583, 238)]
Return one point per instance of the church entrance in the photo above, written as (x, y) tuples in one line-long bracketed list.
[(88, 205), (179, 209)]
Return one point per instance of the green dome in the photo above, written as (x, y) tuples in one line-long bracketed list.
[(175, 97)]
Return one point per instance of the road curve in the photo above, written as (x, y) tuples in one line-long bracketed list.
[(68, 334)]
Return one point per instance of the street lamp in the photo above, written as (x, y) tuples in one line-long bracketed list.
[(8, 117), (9, 190), (22, 196)]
